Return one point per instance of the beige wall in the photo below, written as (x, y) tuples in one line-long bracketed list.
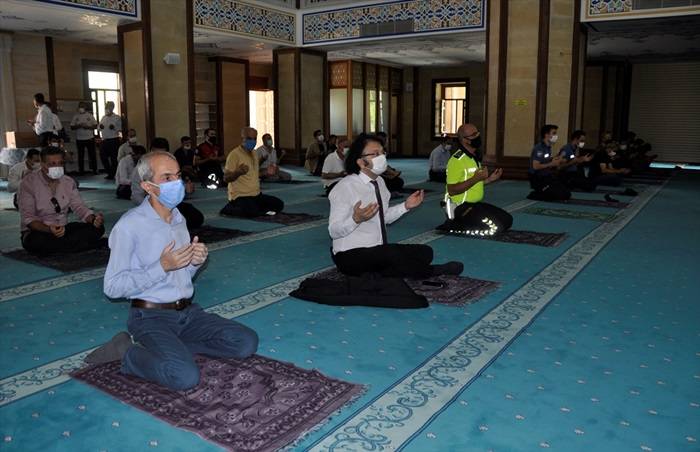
[(260, 70), (204, 79), (311, 96), (234, 95), (286, 100), (476, 75), (30, 75), (491, 127), (170, 82), (68, 67), (407, 144), (521, 77), (592, 103), (559, 67), (135, 93)]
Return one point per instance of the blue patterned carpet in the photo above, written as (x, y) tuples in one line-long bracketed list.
[(594, 344)]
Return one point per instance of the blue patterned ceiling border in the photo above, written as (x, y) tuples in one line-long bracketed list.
[(429, 16), (597, 10), (246, 19), (127, 8)]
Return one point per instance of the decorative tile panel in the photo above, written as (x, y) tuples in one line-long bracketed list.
[(596, 7), (119, 7), (246, 19), (371, 74), (592, 10), (383, 78), (339, 74), (426, 16), (357, 77)]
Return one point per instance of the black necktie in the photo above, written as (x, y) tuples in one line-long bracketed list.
[(381, 211)]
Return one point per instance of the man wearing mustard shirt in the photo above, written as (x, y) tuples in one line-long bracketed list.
[(241, 173), (466, 178)]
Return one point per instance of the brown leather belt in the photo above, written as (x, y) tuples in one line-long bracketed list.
[(178, 305)]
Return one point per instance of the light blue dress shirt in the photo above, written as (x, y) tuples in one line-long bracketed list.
[(136, 243)]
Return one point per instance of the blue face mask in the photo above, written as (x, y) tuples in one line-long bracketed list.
[(171, 193), (249, 144)]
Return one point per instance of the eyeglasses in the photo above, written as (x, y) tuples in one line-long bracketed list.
[(56, 205)]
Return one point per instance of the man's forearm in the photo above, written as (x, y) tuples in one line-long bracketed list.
[(231, 176), (460, 188), (39, 227)]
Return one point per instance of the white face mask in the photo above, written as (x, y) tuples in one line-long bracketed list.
[(187, 147), (56, 172), (36, 166), (81, 110), (448, 147), (132, 139), (320, 138), (554, 139), (379, 164), (581, 144), (55, 145), (623, 147)]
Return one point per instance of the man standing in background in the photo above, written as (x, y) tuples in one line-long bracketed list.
[(84, 124)]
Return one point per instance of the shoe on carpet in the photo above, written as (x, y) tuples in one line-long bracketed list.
[(609, 198), (449, 268), (114, 350)]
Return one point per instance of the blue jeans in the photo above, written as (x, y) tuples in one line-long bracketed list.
[(168, 339)]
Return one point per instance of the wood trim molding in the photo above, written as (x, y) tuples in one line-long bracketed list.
[(276, 99), (148, 68), (326, 96), (51, 72), (190, 70), (416, 105), (121, 30), (575, 66), (219, 103), (247, 90), (349, 106), (502, 73), (603, 101), (542, 68), (297, 106)]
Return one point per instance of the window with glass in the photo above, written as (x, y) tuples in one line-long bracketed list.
[(451, 106), (103, 87)]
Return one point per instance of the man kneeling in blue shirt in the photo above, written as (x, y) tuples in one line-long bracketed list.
[(152, 263)]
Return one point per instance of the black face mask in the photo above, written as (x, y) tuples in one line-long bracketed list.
[(476, 142), (212, 140)]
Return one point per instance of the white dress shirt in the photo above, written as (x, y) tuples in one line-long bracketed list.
[(439, 158), (332, 164), (125, 168), (57, 126), (44, 120), (114, 120), (84, 119), (347, 234), (124, 150), (271, 155), (14, 177)]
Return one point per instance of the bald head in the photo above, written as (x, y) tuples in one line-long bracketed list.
[(466, 131), (249, 133)]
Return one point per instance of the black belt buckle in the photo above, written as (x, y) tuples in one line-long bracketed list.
[(180, 305)]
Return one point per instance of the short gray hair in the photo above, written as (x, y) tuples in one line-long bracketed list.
[(143, 167), (245, 130)]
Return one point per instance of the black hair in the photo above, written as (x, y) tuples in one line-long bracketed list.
[(330, 137), (185, 138), (356, 149), (39, 97), (578, 134), (138, 149), (32, 152), (266, 135), (50, 150), (206, 131), (317, 133), (160, 143), (546, 129)]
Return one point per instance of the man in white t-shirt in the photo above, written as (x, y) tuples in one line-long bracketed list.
[(110, 127), (43, 121), (84, 124), (334, 166), (269, 164)]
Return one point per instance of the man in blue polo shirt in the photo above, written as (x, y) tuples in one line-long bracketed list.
[(544, 166)]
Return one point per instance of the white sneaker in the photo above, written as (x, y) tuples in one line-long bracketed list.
[(271, 212)]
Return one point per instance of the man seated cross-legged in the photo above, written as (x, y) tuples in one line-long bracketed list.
[(152, 263), (45, 198), (466, 178), (359, 214)]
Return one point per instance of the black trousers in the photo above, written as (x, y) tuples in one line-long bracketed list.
[(395, 184), (108, 155), (124, 192), (470, 217), (252, 206), (393, 260), (548, 188), (77, 238), (575, 180), (437, 176), (44, 139), (89, 146), (609, 180), (193, 217)]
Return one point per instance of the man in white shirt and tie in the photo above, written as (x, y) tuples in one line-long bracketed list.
[(43, 121), (84, 124), (359, 214), (110, 127)]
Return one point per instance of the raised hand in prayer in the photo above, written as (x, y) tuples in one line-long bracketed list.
[(494, 176), (361, 214), (415, 199), (482, 173), (200, 252), (172, 259)]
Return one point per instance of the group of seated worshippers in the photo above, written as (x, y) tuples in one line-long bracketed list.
[(553, 177), (242, 174), (45, 198)]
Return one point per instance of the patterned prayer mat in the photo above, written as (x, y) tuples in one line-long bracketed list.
[(603, 191), (444, 289), (594, 203), (573, 214), (73, 262), (257, 404), (287, 219), (546, 239)]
